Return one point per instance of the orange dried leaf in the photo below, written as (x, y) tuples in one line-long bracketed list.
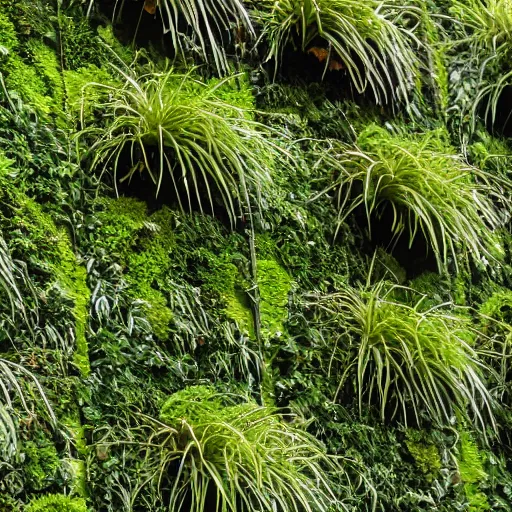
[(150, 6), (335, 65), (320, 53)]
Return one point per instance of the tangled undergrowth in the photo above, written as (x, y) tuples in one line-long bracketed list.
[(255, 256)]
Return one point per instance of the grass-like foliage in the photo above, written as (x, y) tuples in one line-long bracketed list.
[(170, 122), (488, 33), (240, 457), (208, 23), (429, 189), (375, 49), (12, 273), (410, 363)]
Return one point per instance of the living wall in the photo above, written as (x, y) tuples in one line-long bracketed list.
[(255, 255)]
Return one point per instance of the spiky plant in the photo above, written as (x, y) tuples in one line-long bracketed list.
[(409, 362), (11, 372), (237, 458), (487, 26), (428, 188), (374, 48), (207, 24), (202, 141)]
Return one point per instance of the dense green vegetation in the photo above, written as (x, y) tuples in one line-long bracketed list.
[(255, 255)]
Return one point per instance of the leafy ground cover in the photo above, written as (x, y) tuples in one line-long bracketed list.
[(255, 256)]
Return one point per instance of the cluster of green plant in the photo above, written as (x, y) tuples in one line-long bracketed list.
[(376, 51), (203, 142), (487, 25), (409, 363), (429, 190), (57, 503), (246, 452), (207, 22), (138, 341)]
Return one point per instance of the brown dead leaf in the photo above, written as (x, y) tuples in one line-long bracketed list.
[(150, 6), (322, 54)]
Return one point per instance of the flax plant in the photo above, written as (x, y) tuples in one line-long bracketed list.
[(408, 362), (237, 457), (173, 123), (377, 50), (429, 189), (204, 25)]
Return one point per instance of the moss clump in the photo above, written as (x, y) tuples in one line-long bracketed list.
[(45, 61), (498, 307), (8, 38), (125, 53), (237, 91), (25, 81), (9, 504), (221, 282), (35, 235), (41, 463), (81, 99), (387, 267), (142, 244), (192, 404), (274, 284), (80, 43), (119, 222), (425, 454), (477, 500), (52, 245), (74, 278), (56, 503)]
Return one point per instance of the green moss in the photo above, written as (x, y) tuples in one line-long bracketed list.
[(34, 232), (120, 220), (80, 43), (498, 307), (221, 281), (54, 248), (275, 285), (237, 91), (80, 95), (157, 313), (41, 463), (387, 267), (74, 279), (191, 403), (45, 61), (56, 503), (8, 37), (142, 245), (25, 81), (425, 454), (9, 504), (124, 52), (477, 500)]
